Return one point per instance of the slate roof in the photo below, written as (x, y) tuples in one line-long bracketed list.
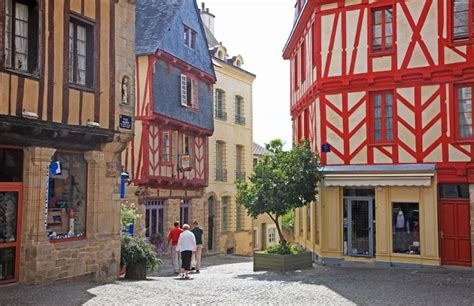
[(211, 39), (259, 150), (153, 19)]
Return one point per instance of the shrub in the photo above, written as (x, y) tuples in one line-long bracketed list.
[(136, 250), (128, 214), (284, 249), (288, 221)]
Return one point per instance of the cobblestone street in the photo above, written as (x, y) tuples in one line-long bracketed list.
[(230, 280)]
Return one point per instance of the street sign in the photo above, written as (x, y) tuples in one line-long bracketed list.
[(326, 148), (125, 122)]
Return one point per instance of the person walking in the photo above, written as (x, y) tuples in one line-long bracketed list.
[(198, 232), (186, 245), (173, 238)]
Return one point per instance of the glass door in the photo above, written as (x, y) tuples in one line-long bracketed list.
[(10, 232), (358, 223)]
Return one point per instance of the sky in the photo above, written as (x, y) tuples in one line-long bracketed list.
[(258, 30)]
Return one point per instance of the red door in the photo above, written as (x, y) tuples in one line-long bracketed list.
[(455, 231), (10, 231)]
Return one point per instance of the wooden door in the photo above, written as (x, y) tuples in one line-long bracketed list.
[(10, 231), (455, 232)]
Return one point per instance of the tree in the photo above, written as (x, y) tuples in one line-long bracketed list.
[(281, 182)]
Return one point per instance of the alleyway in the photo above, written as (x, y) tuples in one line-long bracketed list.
[(229, 279)]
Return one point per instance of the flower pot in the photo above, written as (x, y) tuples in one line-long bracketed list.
[(136, 271), (276, 262)]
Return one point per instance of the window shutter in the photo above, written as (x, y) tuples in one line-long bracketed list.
[(195, 93), (183, 90)]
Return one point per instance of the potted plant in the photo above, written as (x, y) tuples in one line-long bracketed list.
[(281, 182), (138, 256)]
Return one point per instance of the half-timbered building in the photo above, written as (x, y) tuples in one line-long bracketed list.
[(168, 159), (383, 91), (66, 111)]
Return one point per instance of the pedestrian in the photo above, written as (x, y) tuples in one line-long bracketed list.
[(198, 232), (186, 245), (173, 238)]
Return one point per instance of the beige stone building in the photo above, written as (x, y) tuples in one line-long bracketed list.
[(66, 113), (229, 229)]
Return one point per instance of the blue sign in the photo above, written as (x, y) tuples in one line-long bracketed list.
[(326, 148), (125, 122), (55, 168), (123, 179)]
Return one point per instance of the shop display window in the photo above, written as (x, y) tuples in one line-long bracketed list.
[(7, 263), (67, 197), (8, 216), (406, 228)]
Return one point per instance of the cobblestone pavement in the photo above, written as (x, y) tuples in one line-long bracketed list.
[(230, 280)]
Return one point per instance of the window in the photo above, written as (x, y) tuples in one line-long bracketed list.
[(464, 110), (67, 197), (300, 128), (220, 105), (154, 221), (184, 212), (303, 61), (454, 191), (271, 232), (189, 91), (225, 213), (239, 110), (12, 165), (239, 163), (308, 221), (166, 148), (21, 35), (306, 124), (81, 52), (238, 216), (186, 156), (189, 38), (406, 228), (382, 117), (221, 172), (382, 37), (463, 19)]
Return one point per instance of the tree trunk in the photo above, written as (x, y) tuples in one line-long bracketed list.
[(280, 234)]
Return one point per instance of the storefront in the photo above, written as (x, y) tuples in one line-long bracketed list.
[(377, 215)]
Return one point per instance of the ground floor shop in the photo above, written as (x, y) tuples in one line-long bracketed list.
[(59, 214), (388, 216)]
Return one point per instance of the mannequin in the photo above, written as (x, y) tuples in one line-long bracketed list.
[(401, 223)]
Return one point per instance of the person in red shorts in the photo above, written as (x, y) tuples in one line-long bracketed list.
[(173, 238)]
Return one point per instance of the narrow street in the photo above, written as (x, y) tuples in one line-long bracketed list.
[(230, 280)]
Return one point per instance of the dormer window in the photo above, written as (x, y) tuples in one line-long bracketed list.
[(189, 38)]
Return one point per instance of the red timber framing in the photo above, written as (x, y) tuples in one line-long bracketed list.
[(145, 155)]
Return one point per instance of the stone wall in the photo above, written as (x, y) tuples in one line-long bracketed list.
[(96, 256)]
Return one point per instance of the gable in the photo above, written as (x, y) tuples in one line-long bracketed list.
[(160, 26)]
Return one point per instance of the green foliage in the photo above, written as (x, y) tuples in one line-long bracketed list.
[(128, 214), (281, 182), (284, 249), (288, 221), (136, 250)]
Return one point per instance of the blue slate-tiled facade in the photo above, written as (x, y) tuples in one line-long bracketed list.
[(159, 27), (167, 98)]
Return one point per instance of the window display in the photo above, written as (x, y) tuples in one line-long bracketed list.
[(67, 197), (406, 228)]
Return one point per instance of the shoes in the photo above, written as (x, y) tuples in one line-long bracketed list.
[(192, 269), (186, 277), (197, 271)]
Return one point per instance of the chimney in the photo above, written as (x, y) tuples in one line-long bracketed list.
[(207, 18)]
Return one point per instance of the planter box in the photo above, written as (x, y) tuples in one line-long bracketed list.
[(275, 262)]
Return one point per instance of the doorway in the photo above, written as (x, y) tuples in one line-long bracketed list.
[(154, 219), (210, 221), (359, 227), (10, 231)]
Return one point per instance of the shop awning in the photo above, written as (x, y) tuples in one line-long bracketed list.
[(379, 175)]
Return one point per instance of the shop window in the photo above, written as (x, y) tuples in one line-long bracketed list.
[(382, 33), (184, 212), (67, 197), (382, 117), (463, 19), (81, 52), (21, 35), (464, 110), (7, 263), (12, 165), (406, 228), (454, 191)]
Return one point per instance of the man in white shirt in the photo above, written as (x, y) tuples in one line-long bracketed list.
[(186, 245)]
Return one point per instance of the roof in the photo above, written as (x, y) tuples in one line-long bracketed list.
[(259, 150), (211, 39), (153, 20)]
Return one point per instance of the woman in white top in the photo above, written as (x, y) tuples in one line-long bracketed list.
[(186, 245)]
